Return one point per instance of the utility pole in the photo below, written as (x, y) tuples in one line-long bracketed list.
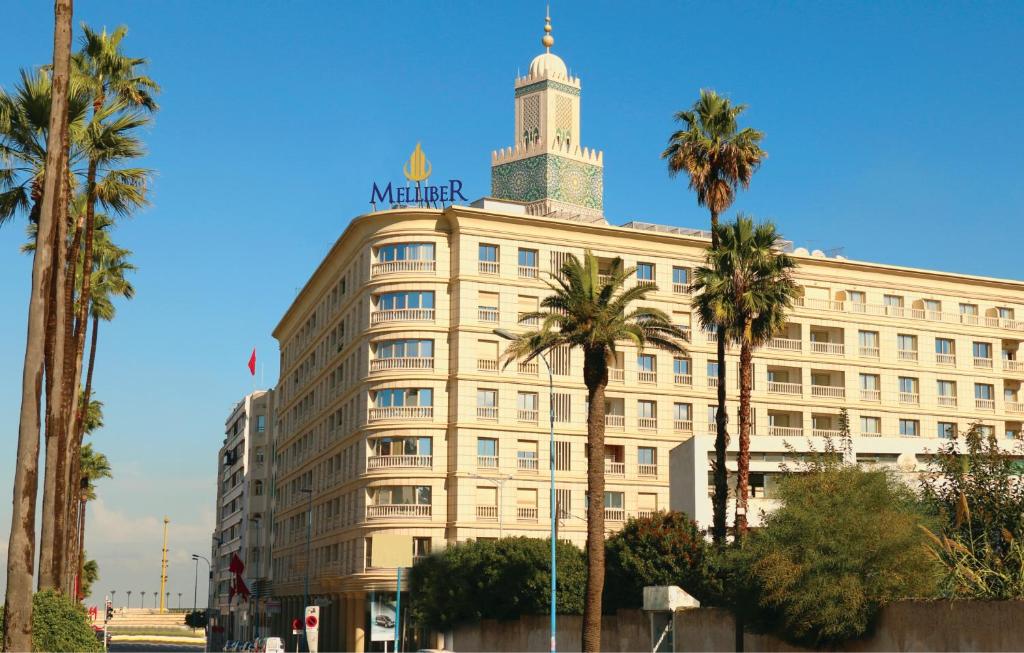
[(163, 569)]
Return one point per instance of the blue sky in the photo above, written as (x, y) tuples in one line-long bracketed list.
[(891, 130)]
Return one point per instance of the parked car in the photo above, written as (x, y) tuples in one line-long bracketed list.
[(273, 645), (384, 621), (230, 645)]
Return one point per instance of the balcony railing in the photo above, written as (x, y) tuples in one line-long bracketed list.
[(529, 368), (833, 348), (778, 387), (870, 395), (488, 267), (983, 363), (947, 400), (615, 421), (527, 415), (712, 381), (488, 315), (645, 513), (613, 468), (524, 513), (785, 344), (647, 469), (871, 434), (486, 365), (945, 359), (908, 355), (402, 363), (869, 352), (488, 513), (488, 462), (402, 315), (909, 313), (397, 510), (615, 514), (682, 425), (680, 289), (1015, 407), (527, 272), (785, 431), (910, 398), (985, 404), (527, 464), (828, 391), (646, 376), (393, 267), (1013, 365), (487, 412), (826, 433), (682, 379), (711, 336), (616, 374), (385, 462), (525, 319), (647, 422), (401, 412)]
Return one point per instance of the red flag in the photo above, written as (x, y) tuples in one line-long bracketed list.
[(252, 362), (238, 586)]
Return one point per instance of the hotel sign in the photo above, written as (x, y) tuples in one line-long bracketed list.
[(417, 171)]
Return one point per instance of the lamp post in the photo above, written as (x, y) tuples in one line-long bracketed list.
[(179, 600), (112, 593), (142, 603), (259, 558), (309, 532), (129, 599), (195, 591), (508, 335)]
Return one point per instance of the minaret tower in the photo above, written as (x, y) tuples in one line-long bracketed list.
[(547, 168)]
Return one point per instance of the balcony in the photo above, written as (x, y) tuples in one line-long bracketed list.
[(785, 431), (530, 368), (645, 513), (646, 376), (615, 514), (826, 433), (1013, 365), (945, 359), (983, 363), (486, 365), (649, 423), (527, 272), (682, 379), (487, 513), (401, 413), (831, 348), (394, 267), (488, 267), (871, 434), (869, 352), (613, 468), (615, 421), (985, 404), (947, 400), (780, 388), (489, 413), (388, 462), (680, 289), (487, 314), (402, 315), (401, 363), (647, 469), (616, 374), (527, 464), (909, 313), (397, 510), (1015, 407), (525, 320), (682, 425), (526, 514), (487, 462), (711, 336), (870, 395), (908, 355), (527, 415), (785, 344), (909, 398), (828, 391), (712, 381)]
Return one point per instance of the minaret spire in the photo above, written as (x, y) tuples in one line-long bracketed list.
[(547, 40)]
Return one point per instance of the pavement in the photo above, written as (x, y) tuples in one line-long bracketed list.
[(147, 647)]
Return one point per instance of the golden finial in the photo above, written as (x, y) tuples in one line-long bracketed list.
[(547, 40)]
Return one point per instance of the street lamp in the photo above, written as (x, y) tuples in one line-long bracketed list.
[(195, 590), (129, 599), (112, 593), (179, 600), (309, 532), (259, 559), (508, 335)]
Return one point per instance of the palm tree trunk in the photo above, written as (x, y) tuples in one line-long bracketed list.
[(595, 374), (719, 504), (743, 463), (21, 544)]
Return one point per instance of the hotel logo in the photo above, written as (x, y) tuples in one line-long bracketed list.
[(417, 170)]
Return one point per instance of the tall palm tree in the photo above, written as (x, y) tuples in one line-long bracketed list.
[(21, 544), (717, 157), (595, 314), (93, 466), (746, 286)]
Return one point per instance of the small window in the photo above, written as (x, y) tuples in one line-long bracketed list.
[(908, 384), (680, 276), (856, 296), (945, 430), (906, 342), (645, 363), (646, 409), (1004, 313), (261, 423), (910, 428), (421, 547), (871, 426), (647, 455), (983, 350), (944, 346), (489, 253), (681, 366), (969, 309), (645, 271), (894, 300), (983, 391), (869, 382), (713, 370)]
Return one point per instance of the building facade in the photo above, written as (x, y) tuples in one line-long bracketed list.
[(243, 508), (397, 417)]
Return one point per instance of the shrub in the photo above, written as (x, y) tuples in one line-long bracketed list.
[(843, 542), (60, 624), (496, 579), (664, 549)]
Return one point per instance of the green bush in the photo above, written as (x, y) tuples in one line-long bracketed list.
[(60, 624), (843, 542), (496, 579), (664, 549)]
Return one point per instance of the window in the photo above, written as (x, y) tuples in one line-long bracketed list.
[(527, 452), (646, 368), (945, 430), (910, 428), (393, 495), (645, 272), (982, 350), (488, 253), (259, 455), (405, 349), (487, 447), (261, 423), (933, 306), (969, 309), (856, 296), (614, 500), (403, 446), (681, 366), (389, 397), (869, 382), (563, 407), (906, 343), (870, 425), (983, 391), (403, 252), (946, 388), (527, 401), (908, 384), (682, 412), (945, 346), (713, 369), (400, 300), (646, 409), (421, 547), (528, 258), (488, 306), (257, 488), (893, 300), (563, 502), (487, 404), (868, 343), (680, 276), (647, 455), (563, 457), (1004, 313)]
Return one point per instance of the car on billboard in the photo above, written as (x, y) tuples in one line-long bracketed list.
[(384, 621)]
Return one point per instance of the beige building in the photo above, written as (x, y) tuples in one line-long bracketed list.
[(395, 413)]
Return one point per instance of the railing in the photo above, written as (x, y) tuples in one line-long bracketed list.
[(402, 315), (712, 381), (1013, 365), (529, 368), (645, 514), (984, 404), (391, 267), (826, 433), (526, 514), (614, 468), (488, 315), (401, 363), (527, 464), (945, 359), (647, 469), (947, 400), (615, 514), (397, 510), (785, 431), (870, 434), (1015, 407), (778, 387), (525, 320), (909, 398), (869, 352), (384, 462), (711, 336), (487, 412), (683, 379), (682, 425), (908, 355), (615, 421), (785, 344), (526, 415), (488, 267), (401, 412), (527, 272), (489, 462), (616, 374), (835, 348), (680, 289), (646, 282), (910, 313), (645, 376), (647, 422), (712, 428), (486, 365), (828, 391), (870, 395), (983, 363), (487, 512)]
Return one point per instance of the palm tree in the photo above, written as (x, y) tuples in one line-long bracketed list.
[(746, 286), (92, 467), (595, 314), (21, 544), (718, 157)]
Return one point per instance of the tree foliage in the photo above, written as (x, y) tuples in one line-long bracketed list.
[(843, 543), (59, 624), (495, 579)]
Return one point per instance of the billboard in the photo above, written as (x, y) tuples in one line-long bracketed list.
[(382, 617)]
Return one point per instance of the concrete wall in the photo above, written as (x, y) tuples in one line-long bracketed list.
[(904, 626), (625, 631)]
